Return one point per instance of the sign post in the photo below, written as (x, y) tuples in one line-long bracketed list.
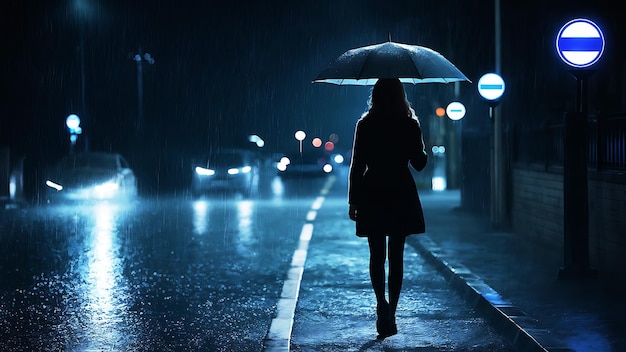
[(580, 45), (491, 88)]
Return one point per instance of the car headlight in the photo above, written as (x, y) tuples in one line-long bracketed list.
[(338, 158), (239, 170), (107, 189), (54, 185), (204, 172), (282, 164)]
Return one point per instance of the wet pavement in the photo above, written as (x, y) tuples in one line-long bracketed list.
[(336, 305), (467, 288), (152, 275), (514, 281)]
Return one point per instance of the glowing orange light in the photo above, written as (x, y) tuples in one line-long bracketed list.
[(317, 142), (440, 112)]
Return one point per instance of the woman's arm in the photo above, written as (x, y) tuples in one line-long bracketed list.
[(419, 158), (357, 169)]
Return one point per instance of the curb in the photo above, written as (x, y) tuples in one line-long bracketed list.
[(522, 331)]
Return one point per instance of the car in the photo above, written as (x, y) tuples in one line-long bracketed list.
[(227, 170), (91, 176), (308, 164)]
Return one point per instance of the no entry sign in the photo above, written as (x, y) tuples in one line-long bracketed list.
[(455, 110), (580, 43), (491, 87)]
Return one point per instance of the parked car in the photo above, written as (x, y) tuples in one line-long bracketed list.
[(230, 170), (91, 176), (308, 163)]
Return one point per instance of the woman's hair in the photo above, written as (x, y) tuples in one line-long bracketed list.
[(389, 98)]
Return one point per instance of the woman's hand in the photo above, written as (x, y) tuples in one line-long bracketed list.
[(352, 212)]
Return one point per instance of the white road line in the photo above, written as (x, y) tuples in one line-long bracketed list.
[(307, 232), (318, 203), (310, 216), (278, 338)]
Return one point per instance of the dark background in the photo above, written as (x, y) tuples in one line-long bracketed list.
[(228, 69)]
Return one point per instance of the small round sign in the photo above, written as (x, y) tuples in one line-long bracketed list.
[(580, 43), (455, 110), (491, 86)]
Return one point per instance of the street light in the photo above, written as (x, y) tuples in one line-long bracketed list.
[(439, 179), (73, 126), (83, 11), (253, 138), (300, 136), (140, 59)]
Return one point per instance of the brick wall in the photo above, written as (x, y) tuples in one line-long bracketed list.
[(537, 212), (607, 223), (537, 206)]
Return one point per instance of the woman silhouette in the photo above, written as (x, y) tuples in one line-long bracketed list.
[(382, 193)]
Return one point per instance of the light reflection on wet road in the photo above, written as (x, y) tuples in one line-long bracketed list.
[(104, 292), (168, 274)]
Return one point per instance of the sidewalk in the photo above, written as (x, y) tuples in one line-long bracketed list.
[(514, 282), (509, 281)]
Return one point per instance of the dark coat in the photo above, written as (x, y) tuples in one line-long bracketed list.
[(381, 186)]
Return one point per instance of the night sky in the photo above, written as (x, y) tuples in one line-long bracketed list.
[(224, 70), (220, 71)]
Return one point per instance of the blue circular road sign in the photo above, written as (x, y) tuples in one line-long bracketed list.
[(580, 43), (455, 111), (491, 86)]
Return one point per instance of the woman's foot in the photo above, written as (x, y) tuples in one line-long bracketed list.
[(393, 328), (382, 322), (386, 322), (387, 329)]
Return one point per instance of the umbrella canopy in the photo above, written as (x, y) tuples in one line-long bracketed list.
[(410, 63)]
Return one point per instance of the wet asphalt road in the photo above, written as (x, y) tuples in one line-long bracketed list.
[(172, 274), (167, 274)]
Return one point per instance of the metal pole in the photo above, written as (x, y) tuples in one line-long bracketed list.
[(82, 74), (497, 187), (139, 92), (575, 189), (140, 57), (83, 112), (497, 34)]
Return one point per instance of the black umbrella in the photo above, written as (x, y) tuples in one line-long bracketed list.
[(410, 63)]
